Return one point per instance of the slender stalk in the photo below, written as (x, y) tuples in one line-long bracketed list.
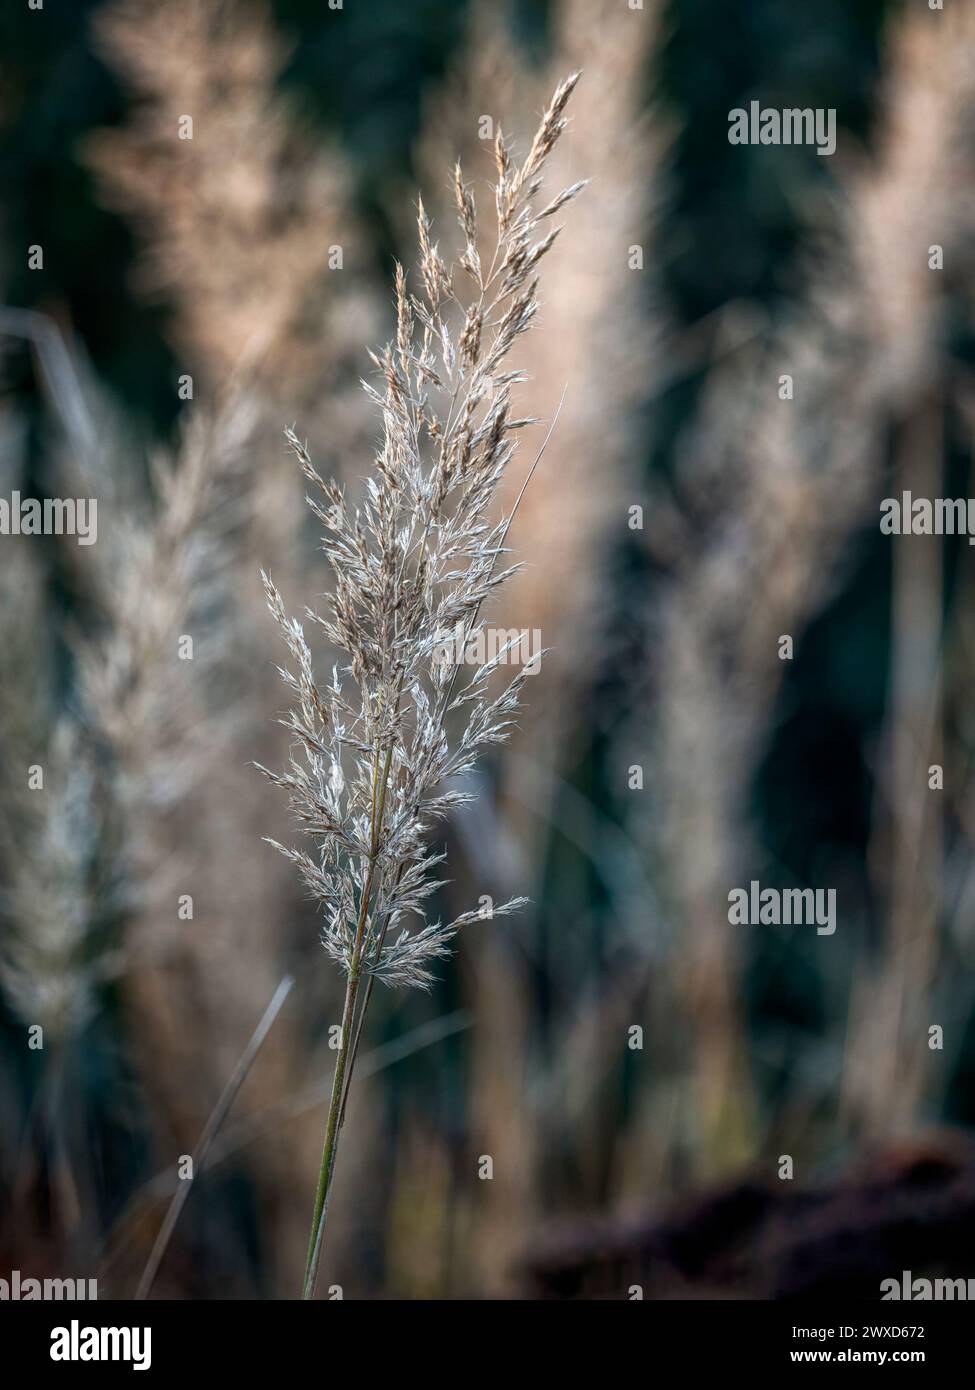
[(210, 1131), (330, 1148), (336, 1104)]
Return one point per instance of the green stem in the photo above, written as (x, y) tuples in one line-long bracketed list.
[(316, 1240), (346, 1056)]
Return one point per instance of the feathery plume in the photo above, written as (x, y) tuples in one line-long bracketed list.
[(372, 764)]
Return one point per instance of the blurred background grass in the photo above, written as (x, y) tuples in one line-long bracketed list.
[(667, 754)]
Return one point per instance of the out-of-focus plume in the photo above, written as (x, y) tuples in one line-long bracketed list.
[(764, 548), (913, 223), (760, 542), (242, 213), (250, 235), (599, 349), (49, 826), (915, 194)]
